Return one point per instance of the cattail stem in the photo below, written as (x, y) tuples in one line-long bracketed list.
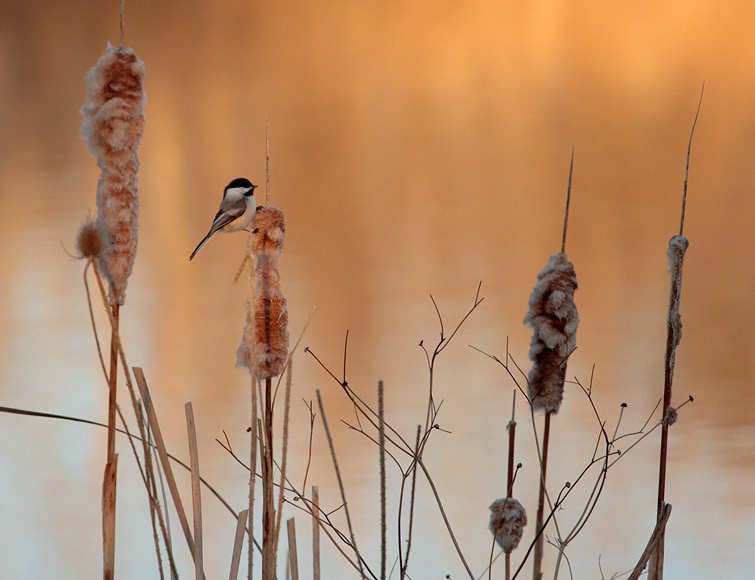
[(511, 428), (381, 448), (268, 489), (538, 556), (113, 383), (109, 482)]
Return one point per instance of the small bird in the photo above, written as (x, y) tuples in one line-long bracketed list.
[(236, 211)]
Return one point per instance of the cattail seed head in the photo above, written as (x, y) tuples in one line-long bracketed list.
[(507, 520), (266, 332), (553, 317), (112, 128)]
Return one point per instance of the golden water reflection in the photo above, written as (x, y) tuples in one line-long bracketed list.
[(416, 148)]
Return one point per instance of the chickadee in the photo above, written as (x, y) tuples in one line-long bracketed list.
[(236, 210)]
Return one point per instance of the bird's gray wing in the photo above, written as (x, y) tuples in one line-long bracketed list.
[(230, 211)]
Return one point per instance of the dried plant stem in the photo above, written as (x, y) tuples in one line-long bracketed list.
[(293, 558), (252, 477), (268, 489), (676, 250), (538, 556), (655, 538), (164, 458), (381, 448), (340, 485), (238, 542), (315, 533), (511, 428), (108, 517), (196, 496), (109, 482), (284, 446)]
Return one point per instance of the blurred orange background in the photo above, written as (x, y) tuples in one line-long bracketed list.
[(416, 148)]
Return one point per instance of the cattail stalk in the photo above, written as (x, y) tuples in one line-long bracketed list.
[(112, 128), (553, 317), (263, 351), (677, 248)]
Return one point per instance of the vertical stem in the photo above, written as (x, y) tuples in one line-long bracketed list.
[(113, 379), (381, 446), (108, 517), (196, 496), (268, 512), (538, 558), (252, 474), (109, 482), (315, 533), (511, 428), (293, 558)]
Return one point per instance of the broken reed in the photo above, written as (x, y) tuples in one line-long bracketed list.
[(263, 352), (112, 128)]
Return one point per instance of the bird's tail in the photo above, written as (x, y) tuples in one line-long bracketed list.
[(200, 246)]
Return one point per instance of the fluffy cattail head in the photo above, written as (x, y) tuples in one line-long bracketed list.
[(553, 317), (507, 520), (112, 127), (266, 332)]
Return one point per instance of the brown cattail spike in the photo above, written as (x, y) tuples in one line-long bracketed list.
[(270, 338), (507, 520), (112, 127), (554, 319)]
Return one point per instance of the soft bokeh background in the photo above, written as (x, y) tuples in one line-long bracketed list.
[(417, 148)]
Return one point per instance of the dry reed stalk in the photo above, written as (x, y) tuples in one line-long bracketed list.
[(340, 485), (162, 452), (381, 451), (196, 496), (677, 248), (315, 533), (108, 517), (252, 472), (511, 429), (284, 445), (238, 543), (293, 558)]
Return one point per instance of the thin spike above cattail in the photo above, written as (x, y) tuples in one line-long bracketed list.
[(112, 127)]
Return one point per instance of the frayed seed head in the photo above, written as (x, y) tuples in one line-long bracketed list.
[(507, 520), (671, 415), (553, 317), (92, 241)]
